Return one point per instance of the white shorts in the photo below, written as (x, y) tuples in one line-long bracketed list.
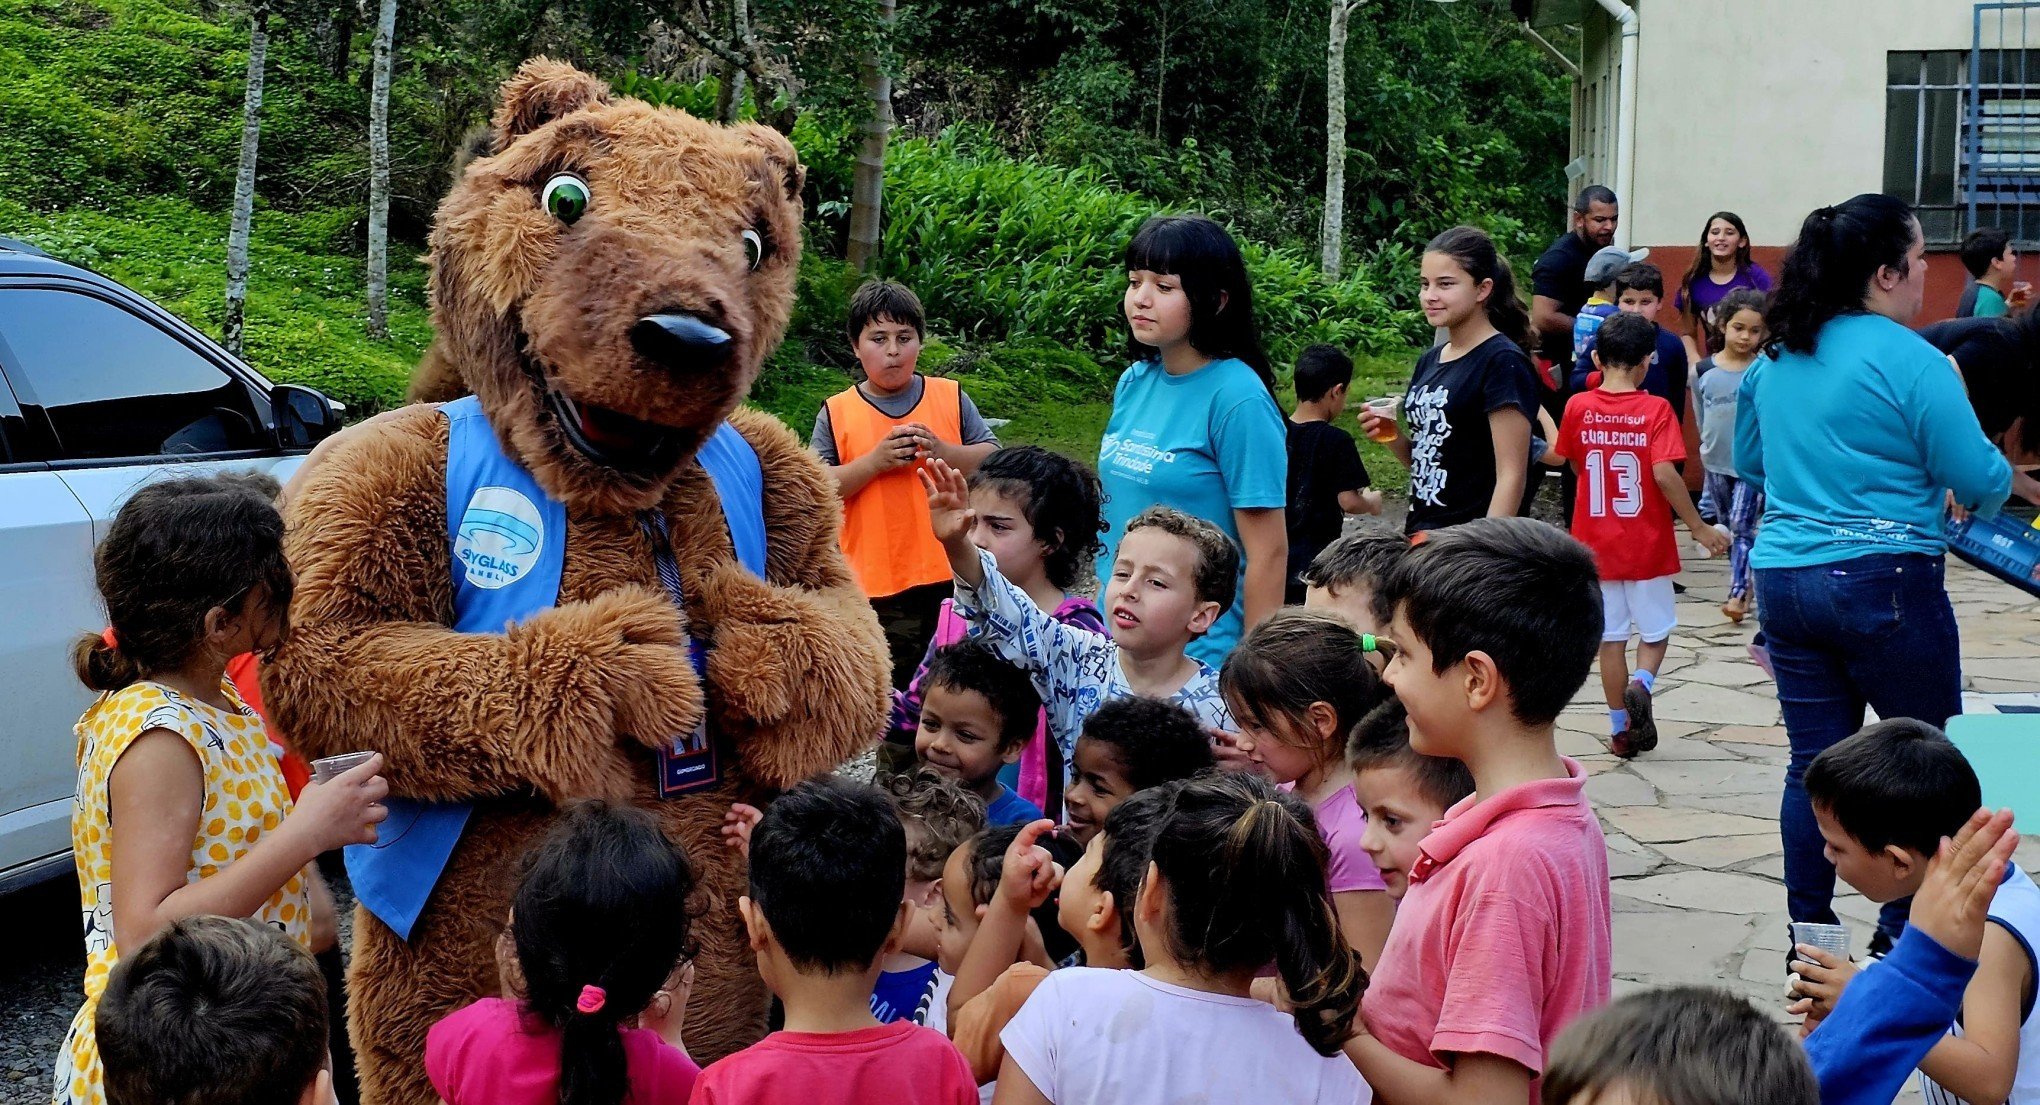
[(1646, 604)]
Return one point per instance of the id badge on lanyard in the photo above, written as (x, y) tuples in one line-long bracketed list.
[(688, 762)]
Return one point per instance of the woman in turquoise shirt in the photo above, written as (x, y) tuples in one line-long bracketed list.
[(1860, 433), (1194, 424)]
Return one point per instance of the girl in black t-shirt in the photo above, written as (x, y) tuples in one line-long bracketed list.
[(1471, 401)]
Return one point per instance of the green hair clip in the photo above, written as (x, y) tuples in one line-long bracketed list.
[(1368, 643)]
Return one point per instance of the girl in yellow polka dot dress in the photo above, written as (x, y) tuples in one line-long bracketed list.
[(181, 808)]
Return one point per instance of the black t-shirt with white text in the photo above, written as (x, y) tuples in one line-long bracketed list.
[(1323, 462), (1452, 450)]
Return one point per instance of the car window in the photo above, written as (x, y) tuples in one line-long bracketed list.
[(115, 385)]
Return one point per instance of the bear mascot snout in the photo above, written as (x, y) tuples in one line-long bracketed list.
[(593, 575)]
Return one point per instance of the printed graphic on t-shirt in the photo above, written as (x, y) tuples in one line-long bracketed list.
[(1133, 455), (1429, 431)]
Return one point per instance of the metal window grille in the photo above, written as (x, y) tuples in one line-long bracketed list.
[(1923, 105), (2000, 166)]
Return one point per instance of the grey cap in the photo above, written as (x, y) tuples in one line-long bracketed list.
[(1608, 261)]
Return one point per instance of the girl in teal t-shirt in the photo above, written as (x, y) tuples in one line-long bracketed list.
[(1194, 424)]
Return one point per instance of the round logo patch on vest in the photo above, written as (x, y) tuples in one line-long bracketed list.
[(500, 537)]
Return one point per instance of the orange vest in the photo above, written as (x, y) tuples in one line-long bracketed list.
[(885, 525)]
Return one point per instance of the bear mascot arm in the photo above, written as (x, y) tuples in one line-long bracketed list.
[(370, 662)]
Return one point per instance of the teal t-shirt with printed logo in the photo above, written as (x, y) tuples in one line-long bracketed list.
[(1207, 443)]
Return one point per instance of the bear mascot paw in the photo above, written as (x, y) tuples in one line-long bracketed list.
[(545, 591)]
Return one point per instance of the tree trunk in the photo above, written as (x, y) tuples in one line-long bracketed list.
[(1331, 239), (379, 176), (729, 93), (867, 186), (244, 180)]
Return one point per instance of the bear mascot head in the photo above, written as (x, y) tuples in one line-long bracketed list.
[(580, 561)]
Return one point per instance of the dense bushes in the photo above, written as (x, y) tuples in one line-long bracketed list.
[(122, 123), (1001, 249)]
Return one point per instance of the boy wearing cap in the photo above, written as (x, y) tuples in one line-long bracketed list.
[(1601, 270)]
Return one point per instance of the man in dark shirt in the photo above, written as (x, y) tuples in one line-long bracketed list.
[(1326, 479), (1559, 281)]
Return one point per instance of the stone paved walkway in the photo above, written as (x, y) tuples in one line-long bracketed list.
[(1692, 826)]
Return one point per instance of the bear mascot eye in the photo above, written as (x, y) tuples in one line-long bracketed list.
[(754, 248), (565, 197)]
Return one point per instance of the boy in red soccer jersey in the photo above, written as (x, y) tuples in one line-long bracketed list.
[(1623, 442)]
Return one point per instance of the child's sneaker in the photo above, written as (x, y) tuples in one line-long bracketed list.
[(1623, 744), (1641, 736)]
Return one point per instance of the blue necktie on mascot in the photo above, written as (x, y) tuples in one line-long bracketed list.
[(509, 549)]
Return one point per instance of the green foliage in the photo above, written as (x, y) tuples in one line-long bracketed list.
[(1002, 249)]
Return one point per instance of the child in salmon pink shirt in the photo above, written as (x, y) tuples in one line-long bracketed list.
[(1625, 444), (827, 904), (1503, 936)]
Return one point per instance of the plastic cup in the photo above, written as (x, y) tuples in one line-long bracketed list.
[(1384, 408)]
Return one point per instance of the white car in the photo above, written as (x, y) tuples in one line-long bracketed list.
[(101, 391)]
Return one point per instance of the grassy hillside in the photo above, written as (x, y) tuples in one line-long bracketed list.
[(122, 122)]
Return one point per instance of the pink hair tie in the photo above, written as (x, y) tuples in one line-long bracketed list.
[(592, 1000), (110, 639)]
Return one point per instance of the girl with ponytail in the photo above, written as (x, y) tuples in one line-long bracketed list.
[(596, 966), (1861, 435), (1467, 417), (1236, 884), (182, 810)]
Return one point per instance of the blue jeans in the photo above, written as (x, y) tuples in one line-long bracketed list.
[(1876, 631)]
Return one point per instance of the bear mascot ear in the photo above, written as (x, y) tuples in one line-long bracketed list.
[(540, 91), (779, 153)]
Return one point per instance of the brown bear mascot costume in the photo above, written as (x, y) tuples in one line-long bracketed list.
[(510, 596)]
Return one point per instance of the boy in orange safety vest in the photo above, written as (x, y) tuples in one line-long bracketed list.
[(874, 438)]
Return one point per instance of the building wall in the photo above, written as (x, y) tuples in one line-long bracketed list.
[(1768, 108)]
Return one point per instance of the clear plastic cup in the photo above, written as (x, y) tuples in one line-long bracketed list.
[(1384, 408)]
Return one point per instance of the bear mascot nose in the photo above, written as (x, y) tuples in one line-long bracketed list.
[(680, 341)]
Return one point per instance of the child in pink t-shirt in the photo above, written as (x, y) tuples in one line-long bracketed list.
[(579, 963), (1504, 934), (1296, 685)]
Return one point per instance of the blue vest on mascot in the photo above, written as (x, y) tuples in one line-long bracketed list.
[(509, 542)]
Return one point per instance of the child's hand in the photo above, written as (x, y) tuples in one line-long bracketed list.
[(1819, 978), (949, 512), (1951, 905), (342, 810), (737, 826), (667, 1014), (898, 448), (1711, 539), (1028, 875)]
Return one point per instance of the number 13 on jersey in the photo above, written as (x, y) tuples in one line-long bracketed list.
[(1614, 483)]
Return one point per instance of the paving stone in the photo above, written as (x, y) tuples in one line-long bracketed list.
[(1758, 753), (1771, 867), (1711, 705), (1620, 788), (1763, 807), (1572, 742), (1721, 852), (1707, 891), (1773, 735), (1720, 673), (1709, 777), (1680, 748), (1664, 824), (1628, 859), (1676, 947)]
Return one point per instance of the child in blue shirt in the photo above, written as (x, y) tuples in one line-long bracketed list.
[(977, 715), (1601, 270), (1640, 289)]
